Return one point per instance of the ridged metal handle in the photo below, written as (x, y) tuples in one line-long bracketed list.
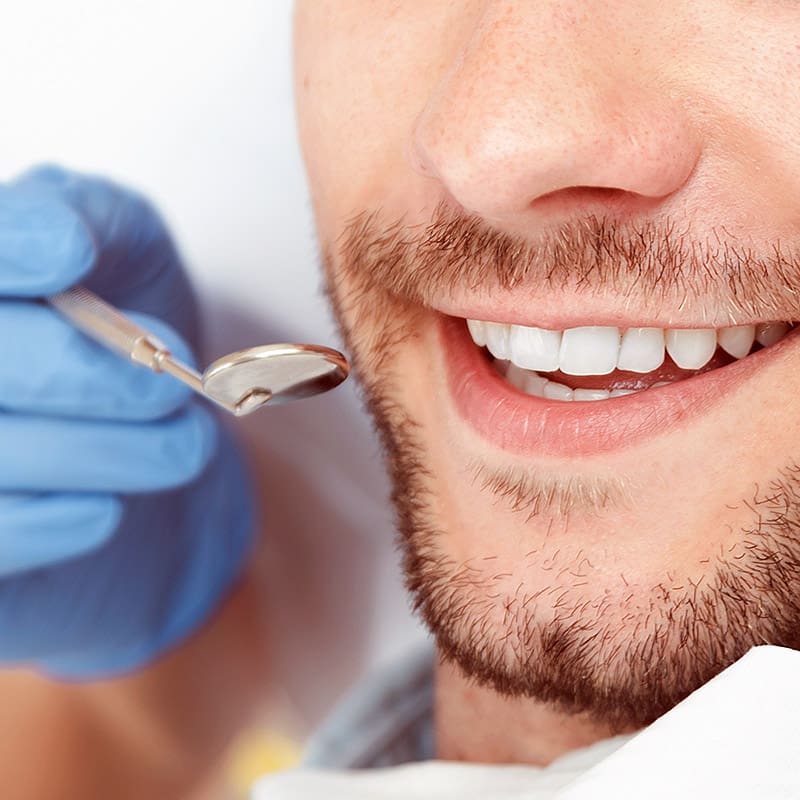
[(103, 322)]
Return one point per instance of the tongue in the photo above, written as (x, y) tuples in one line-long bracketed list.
[(669, 371)]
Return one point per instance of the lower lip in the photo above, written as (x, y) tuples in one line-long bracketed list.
[(527, 425)]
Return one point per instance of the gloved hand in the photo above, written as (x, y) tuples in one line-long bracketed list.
[(125, 513)]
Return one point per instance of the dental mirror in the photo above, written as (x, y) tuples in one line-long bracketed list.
[(240, 382), (273, 373)]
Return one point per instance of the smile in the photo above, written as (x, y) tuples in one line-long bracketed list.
[(520, 387), (600, 363)]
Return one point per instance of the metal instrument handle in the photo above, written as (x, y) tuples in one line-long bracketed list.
[(104, 323)]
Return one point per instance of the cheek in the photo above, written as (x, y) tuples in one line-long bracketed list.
[(739, 72), (363, 73)]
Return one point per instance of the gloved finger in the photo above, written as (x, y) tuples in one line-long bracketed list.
[(136, 263), (45, 244), (47, 366), (43, 529), (52, 454)]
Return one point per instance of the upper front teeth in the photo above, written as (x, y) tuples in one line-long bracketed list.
[(589, 351), (534, 348), (598, 350), (641, 349)]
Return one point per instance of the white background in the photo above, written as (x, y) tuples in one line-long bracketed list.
[(191, 103)]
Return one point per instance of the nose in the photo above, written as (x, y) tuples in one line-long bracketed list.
[(537, 103)]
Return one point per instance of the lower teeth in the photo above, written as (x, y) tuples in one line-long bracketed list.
[(532, 383)]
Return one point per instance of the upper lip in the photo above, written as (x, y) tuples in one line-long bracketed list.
[(559, 311)]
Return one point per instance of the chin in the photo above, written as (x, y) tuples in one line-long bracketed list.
[(591, 511)]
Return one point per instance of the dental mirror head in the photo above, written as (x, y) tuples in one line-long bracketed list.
[(274, 373)]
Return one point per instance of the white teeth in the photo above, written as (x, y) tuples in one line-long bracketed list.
[(477, 331), (599, 350), (590, 394), (531, 383), (589, 351), (557, 391), (525, 380), (517, 376), (535, 383), (535, 348), (770, 333), (691, 348), (497, 339), (737, 341), (641, 350)]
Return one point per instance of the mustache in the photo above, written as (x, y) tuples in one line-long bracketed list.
[(659, 262)]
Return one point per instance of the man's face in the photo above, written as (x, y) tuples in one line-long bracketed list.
[(589, 525)]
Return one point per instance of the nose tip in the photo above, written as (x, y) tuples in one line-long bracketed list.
[(499, 140), (496, 162)]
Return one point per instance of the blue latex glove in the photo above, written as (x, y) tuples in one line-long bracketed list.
[(125, 512)]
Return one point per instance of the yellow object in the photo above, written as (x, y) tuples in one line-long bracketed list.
[(256, 753)]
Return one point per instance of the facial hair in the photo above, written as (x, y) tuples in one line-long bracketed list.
[(381, 278)]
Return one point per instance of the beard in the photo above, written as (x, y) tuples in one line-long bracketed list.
[(623, 673)]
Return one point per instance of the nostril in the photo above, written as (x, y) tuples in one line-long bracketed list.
[(578, 194), (598, 200)]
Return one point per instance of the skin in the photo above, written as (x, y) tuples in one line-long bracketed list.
[(527, 119), (159, 733)]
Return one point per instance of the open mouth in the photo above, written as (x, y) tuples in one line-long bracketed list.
[(516, 385), (600, 363)]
